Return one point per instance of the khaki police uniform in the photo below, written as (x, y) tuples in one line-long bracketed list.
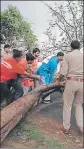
[(72, 68)]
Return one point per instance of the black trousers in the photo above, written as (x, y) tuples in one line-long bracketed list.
[(13, 94), (4, 92)]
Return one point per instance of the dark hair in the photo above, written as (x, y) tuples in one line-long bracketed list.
[(60, 54), (36, 50), (17, 53), (75, 44), (7, 46), (30, 57)]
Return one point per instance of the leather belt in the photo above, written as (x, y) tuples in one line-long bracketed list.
[(75, 79)]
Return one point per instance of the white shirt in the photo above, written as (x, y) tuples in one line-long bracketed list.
[(46, 60)]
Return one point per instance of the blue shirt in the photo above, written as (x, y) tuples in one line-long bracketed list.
[(48, 69)]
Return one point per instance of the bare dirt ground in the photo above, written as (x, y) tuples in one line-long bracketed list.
[(52, 128), (42, 126), (41, 129)]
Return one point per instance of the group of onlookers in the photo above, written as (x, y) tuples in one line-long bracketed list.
[(19, 75)]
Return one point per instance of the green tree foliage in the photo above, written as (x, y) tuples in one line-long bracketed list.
[(16, 29)]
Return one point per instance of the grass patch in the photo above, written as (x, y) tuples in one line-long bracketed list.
[(30, 131), (53, 143)]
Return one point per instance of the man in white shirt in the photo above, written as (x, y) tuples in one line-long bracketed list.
[(6, 52)]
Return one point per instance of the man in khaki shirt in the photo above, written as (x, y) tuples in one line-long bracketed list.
[(72, 68), (6, 52)]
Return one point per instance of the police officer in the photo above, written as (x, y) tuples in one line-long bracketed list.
[(72, 68)]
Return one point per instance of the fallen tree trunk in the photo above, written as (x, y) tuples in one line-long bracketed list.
[(44, 95), (58, 88), (14, 112)]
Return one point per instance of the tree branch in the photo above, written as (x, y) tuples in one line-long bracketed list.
[(57, 13), (74, 19)]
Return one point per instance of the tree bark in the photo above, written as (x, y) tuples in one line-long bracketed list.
[(14, 112)]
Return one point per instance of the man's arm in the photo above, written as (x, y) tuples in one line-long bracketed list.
[(32, 75), (19, 70), (63, 70), (52, 68)]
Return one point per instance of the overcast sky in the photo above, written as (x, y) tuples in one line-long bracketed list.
[(35, 11)]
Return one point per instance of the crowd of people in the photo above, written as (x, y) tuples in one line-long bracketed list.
[(20, 75)]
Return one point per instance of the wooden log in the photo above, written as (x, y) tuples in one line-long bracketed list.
[(14, 112), (58, 88)]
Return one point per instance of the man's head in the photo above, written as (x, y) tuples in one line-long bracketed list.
[(60, 56), (30, 58), (75, 45), (17, 55), (36, 52), (7, 48)]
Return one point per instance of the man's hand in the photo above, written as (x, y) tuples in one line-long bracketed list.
[(61, 78), (57, 82), (32, 75), (62, 83), (37, 77)]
